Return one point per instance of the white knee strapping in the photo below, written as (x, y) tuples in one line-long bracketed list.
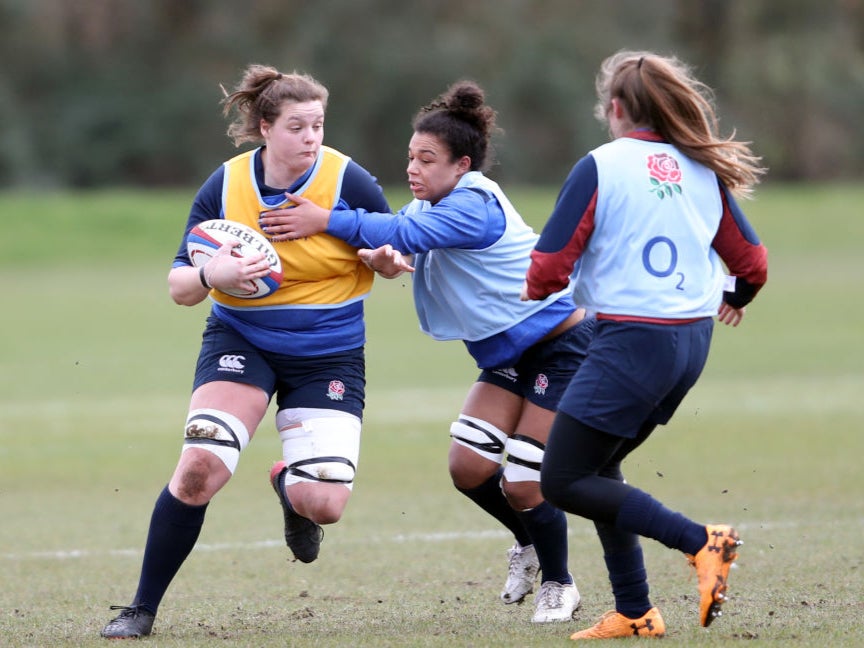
[(480, 436), (218, 432), (524, 455), (323, 448)]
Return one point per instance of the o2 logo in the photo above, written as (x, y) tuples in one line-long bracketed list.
[(661, 250)]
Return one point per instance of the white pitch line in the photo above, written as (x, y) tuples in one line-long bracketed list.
[(400, 538), (71, 554)]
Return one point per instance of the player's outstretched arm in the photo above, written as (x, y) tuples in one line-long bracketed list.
[(304, 219), (386, 261)]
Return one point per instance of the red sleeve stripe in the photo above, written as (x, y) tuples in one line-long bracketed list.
[(549, 272)]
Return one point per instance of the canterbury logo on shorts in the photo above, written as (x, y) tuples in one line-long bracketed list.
[(232, 363)]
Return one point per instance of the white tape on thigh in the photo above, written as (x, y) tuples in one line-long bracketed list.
[(322, 449), (524, 456), (218, 432), (480, 436)]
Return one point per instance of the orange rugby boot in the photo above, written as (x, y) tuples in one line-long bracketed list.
[(712, 564), (613, 625)]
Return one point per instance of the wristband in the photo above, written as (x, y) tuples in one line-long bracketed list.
[(203, 278)]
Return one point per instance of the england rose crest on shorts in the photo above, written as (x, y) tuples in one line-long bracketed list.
[(336, 390), (541, 382)]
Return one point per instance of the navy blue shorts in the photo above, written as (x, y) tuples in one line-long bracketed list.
[(333, 381), (636, 373), (543, 372)]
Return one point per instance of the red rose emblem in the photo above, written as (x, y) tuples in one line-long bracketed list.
[(665, 175), (541, 383), (664, 168)]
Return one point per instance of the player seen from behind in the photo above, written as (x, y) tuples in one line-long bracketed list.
[(650, 218)]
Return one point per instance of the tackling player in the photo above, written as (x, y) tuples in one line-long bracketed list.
[(471, 250)]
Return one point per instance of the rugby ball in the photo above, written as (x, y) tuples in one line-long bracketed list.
[(207, 237)]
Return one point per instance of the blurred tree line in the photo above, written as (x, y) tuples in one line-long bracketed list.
[(127, 92)]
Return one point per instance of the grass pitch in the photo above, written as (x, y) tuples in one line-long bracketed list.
[(95, 372)]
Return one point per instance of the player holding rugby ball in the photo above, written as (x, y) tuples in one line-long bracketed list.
[(302, 343)]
